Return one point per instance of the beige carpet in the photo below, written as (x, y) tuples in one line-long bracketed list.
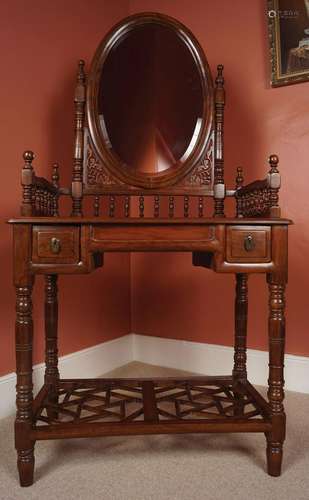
[(188, 467)]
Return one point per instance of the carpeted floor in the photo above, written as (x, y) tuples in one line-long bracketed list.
[(187, 467)]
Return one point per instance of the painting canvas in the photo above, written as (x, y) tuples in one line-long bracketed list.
[(288, 22)]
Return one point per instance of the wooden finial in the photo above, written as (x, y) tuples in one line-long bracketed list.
[(273, 162), (27, 184), (28, 156), (81, 72), (220, 78)]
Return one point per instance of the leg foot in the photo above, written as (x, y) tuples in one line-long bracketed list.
[(25, 464), (274, 458)]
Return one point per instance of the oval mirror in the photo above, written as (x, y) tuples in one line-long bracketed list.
[(150, 98)]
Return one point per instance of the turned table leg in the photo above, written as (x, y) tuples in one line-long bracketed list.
[(276, 328), (51, 341), (240, 343), (24, 396)]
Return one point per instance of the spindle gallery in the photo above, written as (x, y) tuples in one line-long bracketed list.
[(155, 179)]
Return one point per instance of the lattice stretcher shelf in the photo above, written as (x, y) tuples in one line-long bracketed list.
[(142, 406)]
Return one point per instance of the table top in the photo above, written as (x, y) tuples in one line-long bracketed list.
[(150, 221)]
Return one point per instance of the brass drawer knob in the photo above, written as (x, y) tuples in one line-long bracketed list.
[(55, 245), (249, 244)]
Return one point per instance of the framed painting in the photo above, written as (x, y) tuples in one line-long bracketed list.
[(288, 28)]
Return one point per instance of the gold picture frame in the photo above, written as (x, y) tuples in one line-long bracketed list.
[(288, 30)]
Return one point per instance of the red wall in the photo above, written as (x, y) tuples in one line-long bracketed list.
[(41, 43), (171, 298)]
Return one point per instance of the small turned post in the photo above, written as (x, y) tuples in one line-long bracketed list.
[(219, 186), (77, 179), (141, 206), (276, 328), (156, 207), (171, 206), (200, 206), (96, 206), (239, 184), (127, 206), (186, 206), (274, 181), (51, 339), (27, 175), (55, 182), (112, 206)]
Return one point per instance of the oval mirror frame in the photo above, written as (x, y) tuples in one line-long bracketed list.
[(116, 167)]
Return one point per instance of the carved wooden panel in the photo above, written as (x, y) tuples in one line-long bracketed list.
[(96, 175), (95, 172)]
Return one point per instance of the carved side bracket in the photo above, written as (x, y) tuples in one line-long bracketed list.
[(202, 174), (96, 173)]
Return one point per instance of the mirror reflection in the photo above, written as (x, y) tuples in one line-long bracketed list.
[(150, 99)]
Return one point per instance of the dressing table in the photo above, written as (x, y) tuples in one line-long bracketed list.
[(148, 175)]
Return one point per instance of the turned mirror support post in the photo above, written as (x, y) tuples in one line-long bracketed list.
[(77, 179), (51, 340), (24, 335), (219, 186)]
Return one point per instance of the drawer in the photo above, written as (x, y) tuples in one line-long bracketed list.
[(248, 244), (59, 245)]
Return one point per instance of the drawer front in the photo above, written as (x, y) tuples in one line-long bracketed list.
[(59, 245), (248, 244)]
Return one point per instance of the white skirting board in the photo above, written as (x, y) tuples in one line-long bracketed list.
[(211, 359), (87, 363), (196, 357)]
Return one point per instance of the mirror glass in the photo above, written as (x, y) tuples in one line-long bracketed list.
[(150, 99)]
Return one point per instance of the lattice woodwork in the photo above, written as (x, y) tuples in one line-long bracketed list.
[(127, 400), (255, 202)]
